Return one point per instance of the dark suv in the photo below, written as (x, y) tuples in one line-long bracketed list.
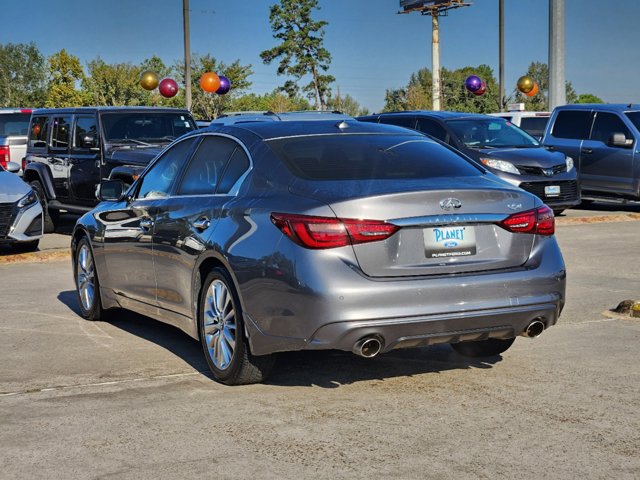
[(603, 139), (71, 150), (501, 147)]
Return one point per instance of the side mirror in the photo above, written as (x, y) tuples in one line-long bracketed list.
[(13, 167), (110, 191), (89, 141), (620, 140)]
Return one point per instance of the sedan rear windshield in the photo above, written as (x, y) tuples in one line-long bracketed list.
[(370, 157), (139, 128)]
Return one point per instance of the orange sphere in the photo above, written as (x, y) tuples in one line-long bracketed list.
[(534, 90), (210, 82)]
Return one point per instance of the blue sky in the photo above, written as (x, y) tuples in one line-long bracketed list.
[(373, 48)]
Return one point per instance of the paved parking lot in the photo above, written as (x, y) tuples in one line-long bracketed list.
[(132, 398)]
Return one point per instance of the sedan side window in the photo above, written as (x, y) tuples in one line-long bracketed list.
[(207, 166), (607, 124), (238, 164), (157, 182)]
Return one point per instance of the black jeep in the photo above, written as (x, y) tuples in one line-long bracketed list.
[(71, 150)]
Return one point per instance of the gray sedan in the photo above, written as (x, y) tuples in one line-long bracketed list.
[(266, 237)]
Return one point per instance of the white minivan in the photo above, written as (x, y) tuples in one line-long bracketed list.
[(533, 123)]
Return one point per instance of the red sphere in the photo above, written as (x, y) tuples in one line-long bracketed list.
[(168, 87)]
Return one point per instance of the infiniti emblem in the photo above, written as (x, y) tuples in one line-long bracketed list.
[(450, 204)]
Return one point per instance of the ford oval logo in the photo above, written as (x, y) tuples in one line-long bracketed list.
[(450, 244), (450, 204)]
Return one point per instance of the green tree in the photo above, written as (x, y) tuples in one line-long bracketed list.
[(113, 84), (539, 72), (22, 76), (589, 98), (301, 50), (65, 71), (395, 100), (346, 104)]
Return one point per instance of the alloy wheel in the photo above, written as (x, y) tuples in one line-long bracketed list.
[(219, 324), (85, 277)]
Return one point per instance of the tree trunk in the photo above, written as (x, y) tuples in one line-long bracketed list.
[(319, 103)]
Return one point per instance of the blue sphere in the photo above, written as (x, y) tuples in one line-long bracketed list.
[(473, 83)]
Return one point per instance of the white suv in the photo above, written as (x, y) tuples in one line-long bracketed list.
[(533, 123)]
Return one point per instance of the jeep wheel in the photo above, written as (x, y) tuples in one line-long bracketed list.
[(49, 218)]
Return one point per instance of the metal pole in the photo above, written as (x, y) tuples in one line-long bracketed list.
[(435, 59), (187, 54), (557, 89), (501, 54)]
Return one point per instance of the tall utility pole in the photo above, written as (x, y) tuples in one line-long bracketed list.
[(436, 9), (435, 60), (557, 89), (501, 55), (187, 53)]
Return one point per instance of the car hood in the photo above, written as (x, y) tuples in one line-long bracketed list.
[(12, 188), (134, 155), (530, 157)]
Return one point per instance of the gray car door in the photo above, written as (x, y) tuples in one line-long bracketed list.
[(128, 229), (605, 167), (187, 219)]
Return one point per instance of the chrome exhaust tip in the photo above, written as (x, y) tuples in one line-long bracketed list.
[(534, 329), (368, 347)]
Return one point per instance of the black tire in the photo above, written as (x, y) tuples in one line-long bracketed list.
[(49, 217), (558, 211), (215, 326), (89, 310), (483, 348), (26, 246)]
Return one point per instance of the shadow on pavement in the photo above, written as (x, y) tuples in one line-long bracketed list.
[(326, 369)]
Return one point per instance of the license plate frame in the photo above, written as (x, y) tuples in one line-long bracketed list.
[(449, 241), (552, 191)]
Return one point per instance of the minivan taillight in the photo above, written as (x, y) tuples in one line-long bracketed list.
[(539, 221), (326, 232), (5, 155)]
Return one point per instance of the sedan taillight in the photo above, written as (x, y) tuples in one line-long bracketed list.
[(540, 221), (326, 232)]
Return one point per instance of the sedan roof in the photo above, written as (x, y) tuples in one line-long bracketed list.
[(269, 130)]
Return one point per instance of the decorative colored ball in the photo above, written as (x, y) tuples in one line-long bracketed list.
[(525, 84), (534, 90), (473, 83), (149, 80), (482, 90), (225, 85), (209, 82), (168, 87)]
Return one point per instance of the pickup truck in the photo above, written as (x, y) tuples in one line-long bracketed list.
[(14, 124), (71, 150)]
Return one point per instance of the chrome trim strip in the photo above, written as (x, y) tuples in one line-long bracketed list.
[(463, 219)]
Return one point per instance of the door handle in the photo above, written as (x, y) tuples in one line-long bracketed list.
[(146, 223), (201, 224), (587, 150)]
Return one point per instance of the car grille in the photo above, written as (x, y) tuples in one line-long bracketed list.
[(556, 169), (568, 191), (6, 218)]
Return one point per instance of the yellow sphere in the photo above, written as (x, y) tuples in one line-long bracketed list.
[(525, 84), (149, 80)]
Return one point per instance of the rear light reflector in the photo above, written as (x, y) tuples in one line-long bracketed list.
[(539, 221), (326, 232), (5, 155)]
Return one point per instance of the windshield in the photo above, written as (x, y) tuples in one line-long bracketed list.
[(491, 133), (145, 128), (635, 118), (14, 124), (370, 157)]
